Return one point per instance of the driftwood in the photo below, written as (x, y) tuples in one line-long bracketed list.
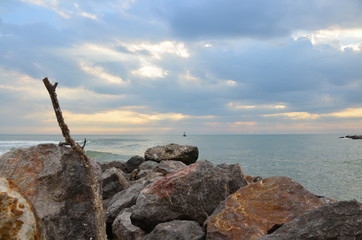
[(98, 205)]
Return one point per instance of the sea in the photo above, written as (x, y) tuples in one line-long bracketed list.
[(326, 165)]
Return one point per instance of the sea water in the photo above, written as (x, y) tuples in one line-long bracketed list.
[(324, 164)]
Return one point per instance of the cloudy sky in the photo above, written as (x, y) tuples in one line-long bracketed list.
[(166, 66)]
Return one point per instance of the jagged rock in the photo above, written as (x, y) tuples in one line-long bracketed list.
[(254, 209), (133, 163), (177, 229), (191, 193), (341, 220), (123, 229), (17, 219), (122, 200), (113, 182), (114, 164), (166, 167), (183, 153), (53, 178)]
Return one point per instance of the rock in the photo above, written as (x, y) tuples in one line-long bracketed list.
[(123, 229), (148, 165), (17, 219), (177, 229), (354, 136), (114, 164), (134, 163), (55, 181), (191, 193), (122, 200), (183, 153), (166, 167), (341, 220), (254, 209), (113, 182)]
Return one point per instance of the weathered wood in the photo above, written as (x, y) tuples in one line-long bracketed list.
[(98, 206)]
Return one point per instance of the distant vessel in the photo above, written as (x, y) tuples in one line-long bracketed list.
[(184, 134)]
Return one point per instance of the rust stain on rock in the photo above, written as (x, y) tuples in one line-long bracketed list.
[(251, 211), (163, 187)]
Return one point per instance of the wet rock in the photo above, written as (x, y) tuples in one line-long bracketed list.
[(183, 153), (254, 209), (191, 193), (177, 229), (113, 182), (133, 163), (17, 219), (341, 220), (55, 181), (123, 229)]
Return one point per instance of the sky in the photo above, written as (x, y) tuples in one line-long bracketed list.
[(165, 66)]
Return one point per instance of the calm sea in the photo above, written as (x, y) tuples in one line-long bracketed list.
[(324, 164)]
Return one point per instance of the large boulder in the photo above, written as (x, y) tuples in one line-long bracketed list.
[(191, 193), (183, 153), (123, 229), (177, 229), (341, 220), (256, 208), (17, 219), (54, 179)]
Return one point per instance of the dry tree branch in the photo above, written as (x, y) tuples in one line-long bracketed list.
[(98, 205)]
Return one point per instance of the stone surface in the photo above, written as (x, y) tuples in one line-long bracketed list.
[(191, 193), (113, 181), (254, 209), (177, 229), (123, 229), (55, 181), (17, 219), (183, 153), (114, 164), (134, 163), (340, 221), (122, 200), (166, 167)]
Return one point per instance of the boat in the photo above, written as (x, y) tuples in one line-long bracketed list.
[(184, 134)]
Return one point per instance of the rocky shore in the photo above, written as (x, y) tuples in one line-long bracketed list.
[(166, 194)]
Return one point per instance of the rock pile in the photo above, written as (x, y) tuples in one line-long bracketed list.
[(168, 194)]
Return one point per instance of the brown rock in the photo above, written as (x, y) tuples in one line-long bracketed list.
[(53, 178), (253, 210), (17, 219)]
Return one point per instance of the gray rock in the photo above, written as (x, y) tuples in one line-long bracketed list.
[(148, 165), (55, 181), (166, 167), (113, 182), (133, 163), (123, 229), (177, 229), (340, 221), (114, 164), (122, 200), (192, 193), (183, 153)]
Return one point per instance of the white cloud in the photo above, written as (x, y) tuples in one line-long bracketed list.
[(150, 71), (189, 79), (158, 49), (240, 106), (339, 38), (101, 73)]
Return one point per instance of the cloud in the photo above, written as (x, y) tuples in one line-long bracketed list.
[(150, 71)]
